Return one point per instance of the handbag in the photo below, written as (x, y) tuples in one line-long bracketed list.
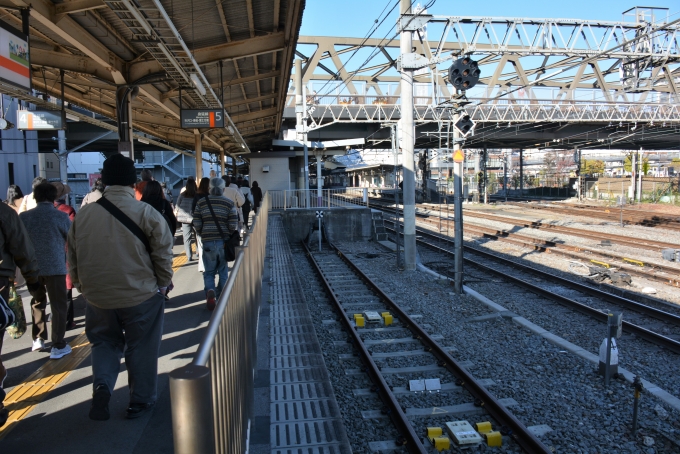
[(231, 242), (18, 328)]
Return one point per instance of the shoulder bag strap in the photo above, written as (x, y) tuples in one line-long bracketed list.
[(219, 229), (126, 221)]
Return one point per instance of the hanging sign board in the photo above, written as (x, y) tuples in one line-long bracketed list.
[(40, 120), (15, 67), (202, 118)]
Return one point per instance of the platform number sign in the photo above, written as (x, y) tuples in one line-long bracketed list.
[(319, 214)]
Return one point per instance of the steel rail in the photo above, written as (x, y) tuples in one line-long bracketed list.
[(527, 440), (618, 239), (639, 331), (413, 443), (609, 297), (628, 218), (573, 251)]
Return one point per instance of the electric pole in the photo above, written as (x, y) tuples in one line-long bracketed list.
[(407, 145)]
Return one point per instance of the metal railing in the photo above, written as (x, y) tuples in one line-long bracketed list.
[(301, 198), (212, 397)]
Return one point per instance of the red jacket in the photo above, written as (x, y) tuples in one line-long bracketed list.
[(66, 209)]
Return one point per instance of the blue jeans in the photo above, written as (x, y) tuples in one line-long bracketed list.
[(215, 264)]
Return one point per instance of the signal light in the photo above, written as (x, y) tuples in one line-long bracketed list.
[(464, 124), (464, 73)]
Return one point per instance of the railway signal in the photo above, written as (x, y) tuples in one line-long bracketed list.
[(464, 73), (464, 125)]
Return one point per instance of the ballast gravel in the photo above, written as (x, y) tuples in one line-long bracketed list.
[(550, 386)]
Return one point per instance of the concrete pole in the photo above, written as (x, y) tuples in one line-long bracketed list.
[(222, 162), (633, 173), (198, 145), (521, 172), (505, 175), (63, 160), (458, 212), (319, 180), (408, 142), (486, 161), (639, 191), (300, 127), (393, 133)]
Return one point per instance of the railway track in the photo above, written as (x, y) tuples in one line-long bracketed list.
[(608, 214), (599, 313), (658, 273), (352, 292)]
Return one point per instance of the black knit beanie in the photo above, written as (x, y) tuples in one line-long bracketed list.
[(119, 171)]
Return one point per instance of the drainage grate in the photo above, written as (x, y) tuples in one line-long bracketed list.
[(305, 418)]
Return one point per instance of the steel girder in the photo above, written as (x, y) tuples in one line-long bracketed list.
[(519, 112), (637, 81)]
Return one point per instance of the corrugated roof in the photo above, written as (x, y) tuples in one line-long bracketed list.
[(101, 46)]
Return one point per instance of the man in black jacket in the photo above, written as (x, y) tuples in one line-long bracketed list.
[(16, 249)]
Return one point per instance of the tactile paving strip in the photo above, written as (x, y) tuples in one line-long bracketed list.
[(305, 417)]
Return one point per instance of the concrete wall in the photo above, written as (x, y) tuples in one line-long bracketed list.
[(278, 177), (19, 148), (342, 224)]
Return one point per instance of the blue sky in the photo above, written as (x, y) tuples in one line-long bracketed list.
[(353, 18)]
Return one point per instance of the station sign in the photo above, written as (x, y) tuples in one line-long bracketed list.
[(15, 66), (202, 118), (40, 120)]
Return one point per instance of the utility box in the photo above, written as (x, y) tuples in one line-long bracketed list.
[(463, 434), (672, 255), (613, 361)]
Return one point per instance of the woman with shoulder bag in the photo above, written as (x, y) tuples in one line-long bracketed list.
[(248, 204), (185, 215)]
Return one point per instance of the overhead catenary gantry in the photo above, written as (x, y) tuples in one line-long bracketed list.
[(196, 54), (601, 72)]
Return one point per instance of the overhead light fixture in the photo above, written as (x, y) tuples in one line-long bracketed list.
[(230, 129), (197, 83), (243, 145), (143, 140), (72, 117)]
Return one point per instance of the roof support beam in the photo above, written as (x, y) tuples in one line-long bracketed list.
[(75, 6), (242, 80), (69, 62), (238, 118), (213, 54)]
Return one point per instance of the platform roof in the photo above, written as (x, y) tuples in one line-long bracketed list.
[(242, 51)]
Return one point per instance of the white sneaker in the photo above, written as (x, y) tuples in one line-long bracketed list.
[(38, 344), (57, 353)]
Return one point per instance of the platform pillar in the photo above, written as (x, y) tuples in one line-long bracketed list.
[(198, 145)]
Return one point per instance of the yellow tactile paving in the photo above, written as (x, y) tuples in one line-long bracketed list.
[(23, 398)]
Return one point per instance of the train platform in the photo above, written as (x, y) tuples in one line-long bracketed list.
[(294, 405), (49, 400)]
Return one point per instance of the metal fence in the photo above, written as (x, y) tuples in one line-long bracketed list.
[(212, 397), (301, 198)]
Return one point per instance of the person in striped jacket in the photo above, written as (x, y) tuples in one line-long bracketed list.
[(211, 211)]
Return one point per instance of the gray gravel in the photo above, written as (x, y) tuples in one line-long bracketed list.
[(551, 386)]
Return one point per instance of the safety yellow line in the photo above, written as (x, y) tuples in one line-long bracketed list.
[(23, 398)]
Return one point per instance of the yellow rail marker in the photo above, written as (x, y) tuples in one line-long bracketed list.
[(634, 262), (24, 397), (606, 265)]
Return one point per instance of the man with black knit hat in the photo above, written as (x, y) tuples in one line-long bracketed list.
[(124, 283)]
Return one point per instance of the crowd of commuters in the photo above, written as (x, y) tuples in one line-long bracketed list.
[(132, 222)]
